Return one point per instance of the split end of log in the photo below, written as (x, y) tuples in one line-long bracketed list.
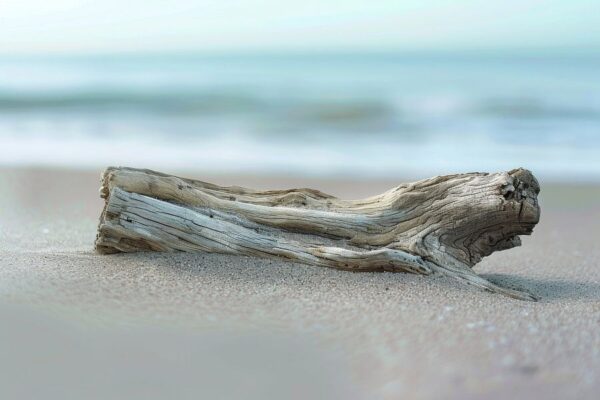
[(444, 224)]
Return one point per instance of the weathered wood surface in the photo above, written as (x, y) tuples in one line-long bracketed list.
[(444, 224)]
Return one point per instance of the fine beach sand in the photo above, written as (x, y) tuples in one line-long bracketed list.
[(79, 325)]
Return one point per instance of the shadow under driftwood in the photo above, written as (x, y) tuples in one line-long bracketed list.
[(223, 269), (271, 272), (257, 272), (549, 289)]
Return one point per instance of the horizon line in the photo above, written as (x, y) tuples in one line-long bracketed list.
[(535, 51)]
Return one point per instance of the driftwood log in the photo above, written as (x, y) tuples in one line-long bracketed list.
[(445, 224)]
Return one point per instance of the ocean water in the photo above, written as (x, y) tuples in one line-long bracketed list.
[(372, 114)]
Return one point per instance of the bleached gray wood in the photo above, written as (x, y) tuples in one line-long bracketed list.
[(443, 224)]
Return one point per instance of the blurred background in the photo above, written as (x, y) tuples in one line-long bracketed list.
[(363, 89)]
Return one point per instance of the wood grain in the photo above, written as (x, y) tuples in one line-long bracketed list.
[(444, 224)]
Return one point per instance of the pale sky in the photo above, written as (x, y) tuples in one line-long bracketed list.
[(76, 26)]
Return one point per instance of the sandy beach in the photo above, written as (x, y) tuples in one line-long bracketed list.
[(76, 324)]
